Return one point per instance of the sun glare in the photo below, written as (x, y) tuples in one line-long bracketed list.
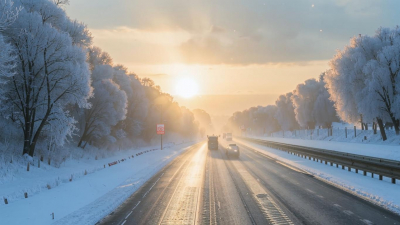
[(186, 88)]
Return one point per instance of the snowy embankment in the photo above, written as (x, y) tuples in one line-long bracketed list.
[(375, 150), (342, 132), (382, 193), (87, 198)]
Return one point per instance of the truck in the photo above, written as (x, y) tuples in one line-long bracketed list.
[(228, 137), (212, 142)]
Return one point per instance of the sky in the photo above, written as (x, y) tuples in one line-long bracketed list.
[(239, 53)]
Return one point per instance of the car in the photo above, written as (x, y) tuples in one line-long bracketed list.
[(232, 150)]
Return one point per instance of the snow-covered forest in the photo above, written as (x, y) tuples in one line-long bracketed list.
[(57, 89), (361, 86)]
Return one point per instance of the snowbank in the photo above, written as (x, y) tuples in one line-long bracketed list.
[(339, 135), (375, 150), (86, 199)]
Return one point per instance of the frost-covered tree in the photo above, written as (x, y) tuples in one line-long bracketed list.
[(8, 14), (312, 104), (108, 107), (285, 112), (204, 120), (137, 106), (264, 118), (364, 79), (324, 111), (51, 72), (257, 119), (304, 97)]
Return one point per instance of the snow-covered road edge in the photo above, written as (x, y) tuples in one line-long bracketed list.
[(381, 193), (89, 199)]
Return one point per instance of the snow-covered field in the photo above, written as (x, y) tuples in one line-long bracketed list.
[(87, 198), (383, 193), (375, 150), (339, 135)]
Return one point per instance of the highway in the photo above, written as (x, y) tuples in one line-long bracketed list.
[(203, 186)]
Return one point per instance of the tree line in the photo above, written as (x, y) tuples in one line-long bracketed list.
[(362, 85), (56, 87)]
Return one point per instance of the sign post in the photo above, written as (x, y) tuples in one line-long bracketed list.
[(161, 131)]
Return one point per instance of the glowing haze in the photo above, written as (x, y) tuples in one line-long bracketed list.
[(256, 49)]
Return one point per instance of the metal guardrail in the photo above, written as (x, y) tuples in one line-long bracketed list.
[(382, 167)]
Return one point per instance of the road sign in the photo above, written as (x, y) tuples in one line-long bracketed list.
[(160, 129)]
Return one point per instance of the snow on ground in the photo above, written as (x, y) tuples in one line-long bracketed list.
[(383, 193), (86, 199), (339, 135), (375, 150)]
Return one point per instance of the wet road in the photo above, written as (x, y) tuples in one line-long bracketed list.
[(202, 186)]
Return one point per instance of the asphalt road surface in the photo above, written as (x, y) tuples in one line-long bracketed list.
[(203, 186)]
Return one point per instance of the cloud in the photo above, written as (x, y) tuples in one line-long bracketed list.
[(234, 31)]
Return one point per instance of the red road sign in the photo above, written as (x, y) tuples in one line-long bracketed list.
[(160, 129)]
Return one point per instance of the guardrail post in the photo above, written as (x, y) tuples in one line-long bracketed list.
[(365, 173), (326, 162), (345, 129), (342, 167), (337, 165), (331, 163), (356, 170), (349, 169), (380, 177), (372, 175), (393, 180), (355, 131)]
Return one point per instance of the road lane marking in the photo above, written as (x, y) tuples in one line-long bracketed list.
[(123, 222), (271, 210), (348, 212), (310, 190), (136, 206), (150, 188), (367, 221), (337, 205), (128, 215)]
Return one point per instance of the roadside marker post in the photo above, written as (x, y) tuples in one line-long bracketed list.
[(161, 131)]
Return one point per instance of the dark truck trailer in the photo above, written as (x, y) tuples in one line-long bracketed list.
[(212, 142)]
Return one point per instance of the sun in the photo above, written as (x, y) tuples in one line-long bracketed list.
[(186, 88)]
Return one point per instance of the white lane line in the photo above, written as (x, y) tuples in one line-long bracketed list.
[(128, 215), (162, 175), (136, 206), (123, 222), (320, 196), (337, 205), (310, 190), (348, 212), (150, 188), (366, 221)]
